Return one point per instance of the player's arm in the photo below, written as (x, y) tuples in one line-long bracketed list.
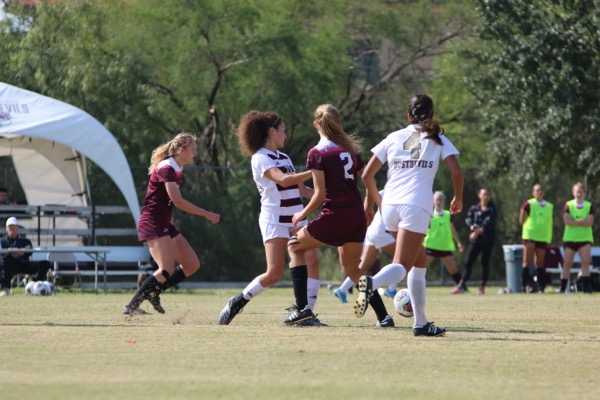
[(316, 200), (523, 214), (287, 180), (368, 177), (456, 237), (185, 205), (305, 191), (457, 182)]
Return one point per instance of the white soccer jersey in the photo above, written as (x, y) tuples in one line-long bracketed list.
[(413, 162), (278, 204)]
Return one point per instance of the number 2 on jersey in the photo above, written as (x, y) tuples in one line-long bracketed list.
[(413, 144), (348, 164)]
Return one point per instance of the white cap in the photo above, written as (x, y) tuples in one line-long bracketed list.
[(12, 221)]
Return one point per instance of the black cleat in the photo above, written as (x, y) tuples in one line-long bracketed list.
[(365, 291), (298, 315), (154, 299), (234, 306), (429, 330), (314, 321), (134, 311), (387, 322)]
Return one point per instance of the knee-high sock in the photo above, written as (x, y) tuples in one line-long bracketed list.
[(253, 289), (150, 285), (391, 274), (346, 285), (175, 278), (299, 280), (417, 286), (312, 291), (376, 302)]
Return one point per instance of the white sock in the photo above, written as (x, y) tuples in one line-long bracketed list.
[(417, 287), (346, 285), (391, 274), (253, 289), (312, 290)]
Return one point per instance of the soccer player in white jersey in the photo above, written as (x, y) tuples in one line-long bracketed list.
[(413, 155), (260, 135)]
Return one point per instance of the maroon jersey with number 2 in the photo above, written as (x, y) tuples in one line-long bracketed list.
[(342, 217)]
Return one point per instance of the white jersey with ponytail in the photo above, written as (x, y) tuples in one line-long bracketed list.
[(413, 161)]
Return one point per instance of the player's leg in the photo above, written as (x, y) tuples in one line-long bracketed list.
[(527, 264), (585, 254), (162, 251), (297, 247), (275, 249)]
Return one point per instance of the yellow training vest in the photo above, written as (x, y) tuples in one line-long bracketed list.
[(538, 226), (578, 233), (439, 236)]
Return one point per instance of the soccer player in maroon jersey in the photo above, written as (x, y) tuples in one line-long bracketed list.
[(335, 164), (166, 244)]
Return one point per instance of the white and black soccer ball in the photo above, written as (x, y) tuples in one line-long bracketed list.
[(40, 289), (402, 303), (50, 287), (29, 288)]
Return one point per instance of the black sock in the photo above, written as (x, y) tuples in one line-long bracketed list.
[(563, 285), (525, 277), (376, 302), (300, 282), (586, 282), (541, 278), (176, 277), (150, 285), (456, 277)]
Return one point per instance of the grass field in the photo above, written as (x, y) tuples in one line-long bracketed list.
[(80, 346)]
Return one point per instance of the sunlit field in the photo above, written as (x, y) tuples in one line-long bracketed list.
[(512, 346)]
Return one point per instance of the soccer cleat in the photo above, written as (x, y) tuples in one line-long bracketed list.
[(388, 322), (340, 294), (429, 330), (457, 290), (481, 290), (365, 291), (134, 311), (312, 322), (154, 299), (391, 293), (234, 306), (298, 315)]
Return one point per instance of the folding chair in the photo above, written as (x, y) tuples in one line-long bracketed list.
[(61, 261)]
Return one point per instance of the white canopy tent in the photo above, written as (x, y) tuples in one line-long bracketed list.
[(49, 142)]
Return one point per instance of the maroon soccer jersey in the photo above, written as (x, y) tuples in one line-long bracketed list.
[(157, 210), (341, 169)]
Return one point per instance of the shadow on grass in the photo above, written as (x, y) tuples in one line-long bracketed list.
[(133, 325)]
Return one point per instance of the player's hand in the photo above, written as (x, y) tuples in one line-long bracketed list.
[(212, 217), (455, 206), (297, 217)]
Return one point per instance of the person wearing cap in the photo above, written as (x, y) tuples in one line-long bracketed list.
[(18, 262)]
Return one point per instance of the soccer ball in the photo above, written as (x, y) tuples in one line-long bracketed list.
[(29, 288), (50, 287), (40, 289), (402, 303)]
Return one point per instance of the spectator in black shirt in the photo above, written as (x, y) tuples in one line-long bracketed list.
[(18, 262), (481, 220)]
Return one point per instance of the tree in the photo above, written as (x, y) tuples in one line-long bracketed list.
[(150, 68), (540, 97)]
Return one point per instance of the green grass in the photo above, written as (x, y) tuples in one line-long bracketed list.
[(80, 346)]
